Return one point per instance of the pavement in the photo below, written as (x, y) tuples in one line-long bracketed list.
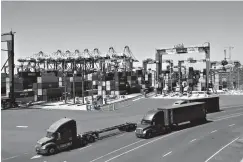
[(22, 128)]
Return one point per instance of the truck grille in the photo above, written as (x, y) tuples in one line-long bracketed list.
[(139, 131)]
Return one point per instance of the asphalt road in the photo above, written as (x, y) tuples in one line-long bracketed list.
[(18, 142)]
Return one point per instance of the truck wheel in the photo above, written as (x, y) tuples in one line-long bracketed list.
[(148, 135), (91, 139), (84, 142), (52, 150)]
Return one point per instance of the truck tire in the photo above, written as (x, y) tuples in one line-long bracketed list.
[(84, 142), (52, 150), (91, 139), (148, 135)]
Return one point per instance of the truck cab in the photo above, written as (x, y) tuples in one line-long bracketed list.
[(152, 124), (60, 135)]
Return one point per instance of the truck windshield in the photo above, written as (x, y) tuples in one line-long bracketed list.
[(145, 122), (49, 134)]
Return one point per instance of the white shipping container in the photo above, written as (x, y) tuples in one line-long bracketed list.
[(146, 77), (108, 83), (60, 84), (104, 92), (99, 88), (60, 79), (117, 93), (103, 83), (89, 76), (39, 92), (99, 92), (35, 98), (94, 82), (108, 87)]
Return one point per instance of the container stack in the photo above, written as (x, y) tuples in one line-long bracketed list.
[(120, 83), (47, 87), (18, 85), (216, 81)]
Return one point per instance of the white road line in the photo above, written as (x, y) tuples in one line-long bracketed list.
[(36, 156), (241, 160), (120, 135), (228, 117), (231, 125), (117, 150), (85, 147), (142, 145), (193, 140), (22, 126), (167, 154), (9, 158), (136, 99), (220, 150), (213, 131)]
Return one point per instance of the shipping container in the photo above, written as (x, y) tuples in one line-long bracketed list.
[(21, 94), (47, 79), (47, 85)]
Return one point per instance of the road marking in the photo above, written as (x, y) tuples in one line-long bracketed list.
[(22, 126), (214, 131), (85, 147), (9, 158), (136, 99), (142, 145), (193, 140), (117, 150), (120, 135), (231, 125), (228, 117), (36, 157), (220, 150), (241, 160), (167, 154)]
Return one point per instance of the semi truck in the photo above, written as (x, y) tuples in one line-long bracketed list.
[(163, 120), (62, 135)]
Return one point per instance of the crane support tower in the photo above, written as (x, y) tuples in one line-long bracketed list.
[(9, 39), (180, 49)]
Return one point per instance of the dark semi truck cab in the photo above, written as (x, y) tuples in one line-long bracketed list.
[(62, 135), (162, 120)]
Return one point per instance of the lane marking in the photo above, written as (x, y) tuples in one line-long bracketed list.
[(136, 99), (231, 125), (143, 145), (167, 154), (85, 147), (36, 157), (120, 135), (193, 140), (10, 158), (22, 126), (213, 131), (221, 149), (117, 150), (228, 117)]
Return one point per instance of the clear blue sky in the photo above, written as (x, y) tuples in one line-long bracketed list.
[(143, 26)]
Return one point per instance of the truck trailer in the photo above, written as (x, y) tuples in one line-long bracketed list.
[(162, 120), (62, 135)]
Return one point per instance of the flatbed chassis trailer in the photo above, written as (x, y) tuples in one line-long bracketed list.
[(91, 136)]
